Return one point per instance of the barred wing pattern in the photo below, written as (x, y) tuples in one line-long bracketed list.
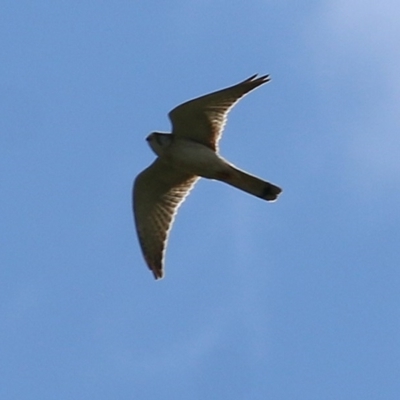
[(203, 119), (157, 194)]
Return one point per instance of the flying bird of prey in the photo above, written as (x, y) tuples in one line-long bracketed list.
[(183, 156)]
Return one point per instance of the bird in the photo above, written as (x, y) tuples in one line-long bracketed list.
[(186, 154)]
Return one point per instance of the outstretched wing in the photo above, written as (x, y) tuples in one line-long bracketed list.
[(203, 119), (158, 191)]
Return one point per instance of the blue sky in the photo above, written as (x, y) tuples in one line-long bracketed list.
[(293, 300)]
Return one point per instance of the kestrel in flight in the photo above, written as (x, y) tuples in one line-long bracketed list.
[(183, 156)]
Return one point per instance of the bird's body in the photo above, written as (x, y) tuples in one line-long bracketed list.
[(189, 152), (187, 155)]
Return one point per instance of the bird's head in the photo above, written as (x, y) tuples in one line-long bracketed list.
[(159, 142)]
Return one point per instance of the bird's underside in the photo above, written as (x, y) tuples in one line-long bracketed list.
[(185, 155)]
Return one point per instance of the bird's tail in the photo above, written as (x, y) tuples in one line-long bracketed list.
[(251, 184)]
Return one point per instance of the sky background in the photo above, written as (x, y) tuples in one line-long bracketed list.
[(298, 299)]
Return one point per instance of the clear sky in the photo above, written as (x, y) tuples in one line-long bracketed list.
[(299, 299)]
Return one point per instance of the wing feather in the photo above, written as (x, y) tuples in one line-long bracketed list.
[(158, 192), (203, 119)]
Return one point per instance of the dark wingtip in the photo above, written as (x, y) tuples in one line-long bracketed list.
[(260, 79), (156, 267), (158, 273), (251, 78), (255, 81)]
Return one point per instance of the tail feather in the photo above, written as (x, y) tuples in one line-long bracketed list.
[(251, 184)]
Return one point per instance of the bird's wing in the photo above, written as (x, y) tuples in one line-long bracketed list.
[(158, 191), (203, 119)]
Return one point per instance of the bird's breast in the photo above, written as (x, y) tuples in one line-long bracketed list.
[(195, 158)]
